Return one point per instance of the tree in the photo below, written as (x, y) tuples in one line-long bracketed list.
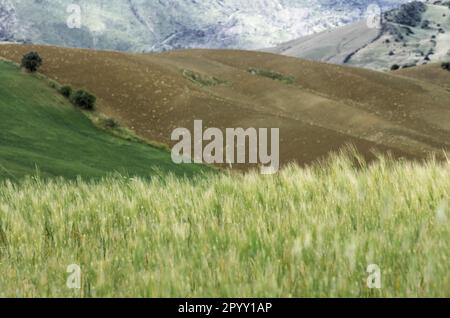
[(31, 61), (446, 66), (395, 67), (84, 100)]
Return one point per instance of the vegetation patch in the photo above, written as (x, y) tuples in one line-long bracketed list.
[(409, 14), (272, 75), (84, 100), (203, 80), (31, 62), (305, 232), (66, 91), (57, 140)]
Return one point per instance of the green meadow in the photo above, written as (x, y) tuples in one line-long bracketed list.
[(41, 132)]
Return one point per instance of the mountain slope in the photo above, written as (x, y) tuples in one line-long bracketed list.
[(147, 25), (41, 131), (324, 108), (8, 20), (333, 46), (412, 35)]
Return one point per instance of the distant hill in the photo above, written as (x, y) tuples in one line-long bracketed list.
[(150, 25), (318, 107), (333, 46), (41, 132), (417, 33)]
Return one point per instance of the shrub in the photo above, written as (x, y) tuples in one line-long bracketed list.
[(272, 75), (66, 91), (446, 66), (109, 123), (53, 84), (409, 14), (202, 80), (31, 61), (84, 100), (425, 24), (395, 67)]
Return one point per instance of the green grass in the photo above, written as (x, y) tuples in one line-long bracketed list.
[(203, 80), (40, 130), (304, 232), (272, 75)]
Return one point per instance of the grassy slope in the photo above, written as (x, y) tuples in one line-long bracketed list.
[(39, 129), (303, 232)]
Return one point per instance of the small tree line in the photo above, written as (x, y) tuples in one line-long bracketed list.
[(444, 66), (32, 61)]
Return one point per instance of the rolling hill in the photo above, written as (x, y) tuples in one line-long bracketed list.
[(415, 34), (41, 132), (322, 107), (431, 73)]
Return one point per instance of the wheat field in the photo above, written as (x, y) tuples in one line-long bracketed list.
[(305, 232)]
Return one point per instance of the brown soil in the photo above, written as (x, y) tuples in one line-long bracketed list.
[(432, 73), (326, 108)]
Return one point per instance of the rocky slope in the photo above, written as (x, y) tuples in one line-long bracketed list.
[(416, 33), (8, 20), (151, 25)]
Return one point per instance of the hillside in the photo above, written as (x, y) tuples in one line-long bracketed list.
[(332, 46), (431, 73), (414, 34), (323, 108), (40, 132), (143, 25)]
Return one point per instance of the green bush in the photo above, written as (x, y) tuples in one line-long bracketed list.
[(446, 66), (109, 123), (272, 75), (66, 91), (84, 100), (31, 61), (53, 84), (395, 67), (202, 80)]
